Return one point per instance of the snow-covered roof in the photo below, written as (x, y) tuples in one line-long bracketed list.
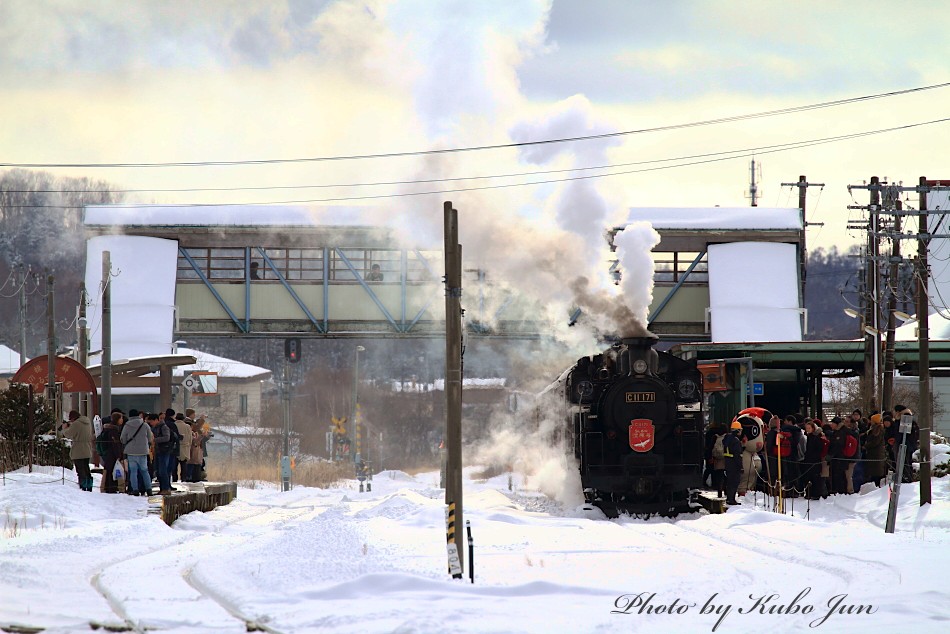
[(219, 215), (227, 368), (439, 384), (719, 217), (247, 430), (9, 360)]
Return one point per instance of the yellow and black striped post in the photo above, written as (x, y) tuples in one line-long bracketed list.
[(455, 564)]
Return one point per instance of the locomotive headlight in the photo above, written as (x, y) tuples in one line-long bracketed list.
[(687, 388), (640, 366)]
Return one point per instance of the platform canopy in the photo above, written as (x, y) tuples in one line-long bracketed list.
[(844, 356)]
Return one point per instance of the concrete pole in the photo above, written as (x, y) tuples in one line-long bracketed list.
[(868, 383), (285, 398), (453, 370), (51, 346), (23, 318), (105, 376), (924, 413), (887, 398), (82, 335)]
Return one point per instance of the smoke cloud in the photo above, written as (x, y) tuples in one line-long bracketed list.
[(547, 464), (634, 244)]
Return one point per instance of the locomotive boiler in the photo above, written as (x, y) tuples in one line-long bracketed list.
[(635, 422)]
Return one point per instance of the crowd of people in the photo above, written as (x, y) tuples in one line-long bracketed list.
[(140, 449), (809, 457)]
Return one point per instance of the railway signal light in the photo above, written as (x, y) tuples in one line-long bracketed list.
[(292, 349)]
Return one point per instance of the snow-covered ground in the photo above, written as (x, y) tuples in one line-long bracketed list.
[(337, 560)]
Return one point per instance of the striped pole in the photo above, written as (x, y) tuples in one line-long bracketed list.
[(455, 564)]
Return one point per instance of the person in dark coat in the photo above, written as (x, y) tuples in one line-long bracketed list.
[(890, 439), (811, 465), (715, 429), (836, 457), (163, 444), (875, 461), (112, 429), (771, 464), (732, 452)]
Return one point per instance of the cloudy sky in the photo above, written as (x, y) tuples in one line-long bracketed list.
[(244, 80)]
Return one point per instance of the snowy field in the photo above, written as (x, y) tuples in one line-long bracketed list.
[(312, 560)]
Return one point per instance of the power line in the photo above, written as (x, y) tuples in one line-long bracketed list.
[(741, 152), (477, 148), (717, 157)]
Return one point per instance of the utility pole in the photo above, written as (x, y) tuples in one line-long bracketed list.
[(803, 186), (105, 375), (892, 201), (51, 346), (285, 401), (83, 339), (871, 341), (923, 237), (453, 379), (23, 275), (924, 409)]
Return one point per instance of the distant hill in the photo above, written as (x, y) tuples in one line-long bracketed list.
[(832, 283)]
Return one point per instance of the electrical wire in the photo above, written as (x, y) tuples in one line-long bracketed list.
[(476, 148), (741, 152), (717, 158), (7, 281)]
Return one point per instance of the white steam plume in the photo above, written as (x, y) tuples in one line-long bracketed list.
[(547, 465), (633, 251)]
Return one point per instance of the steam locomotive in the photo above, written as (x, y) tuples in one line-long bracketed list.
[(634, 417)]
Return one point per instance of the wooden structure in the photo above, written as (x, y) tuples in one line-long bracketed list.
[(200, 496), (133, 373)]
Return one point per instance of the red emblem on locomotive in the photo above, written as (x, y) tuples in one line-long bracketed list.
[(641, 434)]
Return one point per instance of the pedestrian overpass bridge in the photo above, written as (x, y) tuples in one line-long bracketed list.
[(261, 272)]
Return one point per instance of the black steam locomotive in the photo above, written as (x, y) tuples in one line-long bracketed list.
[(635, 421)]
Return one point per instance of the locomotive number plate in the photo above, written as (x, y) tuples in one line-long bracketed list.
[(641, 397)]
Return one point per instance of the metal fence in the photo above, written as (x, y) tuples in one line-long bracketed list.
[(45, 455)]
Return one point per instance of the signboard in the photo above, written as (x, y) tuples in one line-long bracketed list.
[(201, 383), (758, 389)]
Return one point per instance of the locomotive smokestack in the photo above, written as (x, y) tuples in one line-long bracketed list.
[(638, 349)]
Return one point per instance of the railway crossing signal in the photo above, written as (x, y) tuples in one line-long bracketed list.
[(292, 349), (339, 425)]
